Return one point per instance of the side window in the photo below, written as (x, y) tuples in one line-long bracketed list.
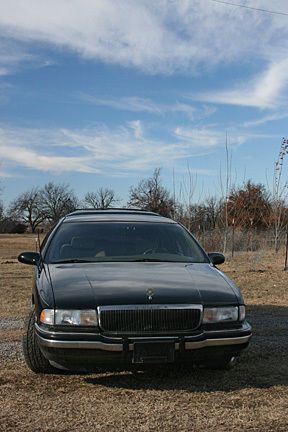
[(44, 241)]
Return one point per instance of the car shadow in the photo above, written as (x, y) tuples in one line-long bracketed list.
[(264, 364)]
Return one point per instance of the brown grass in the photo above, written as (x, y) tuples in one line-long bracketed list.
[(253, 396)]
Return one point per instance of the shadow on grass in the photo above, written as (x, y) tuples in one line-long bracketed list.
[(264, 364)]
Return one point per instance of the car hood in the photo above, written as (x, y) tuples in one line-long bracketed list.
[(93, 284)]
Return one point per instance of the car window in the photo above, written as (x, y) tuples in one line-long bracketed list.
[(120, 241)]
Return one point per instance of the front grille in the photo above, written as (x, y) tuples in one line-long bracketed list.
[(144, 319)]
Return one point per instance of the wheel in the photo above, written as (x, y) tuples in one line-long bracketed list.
[(32, 353)]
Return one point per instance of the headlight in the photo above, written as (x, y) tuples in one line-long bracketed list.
[(242, 313), (47, 316), (69, 317), (220, 314)]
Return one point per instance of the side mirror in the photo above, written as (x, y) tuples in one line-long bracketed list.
[(216, 258), (31, 258)]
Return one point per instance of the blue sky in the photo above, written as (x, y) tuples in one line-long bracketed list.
[(98, 93)]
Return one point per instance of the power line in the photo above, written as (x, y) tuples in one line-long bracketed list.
[(250, 7)]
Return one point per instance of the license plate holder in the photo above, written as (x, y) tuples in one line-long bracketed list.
[(153, 352)]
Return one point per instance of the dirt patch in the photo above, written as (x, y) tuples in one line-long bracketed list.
[(253, 396)]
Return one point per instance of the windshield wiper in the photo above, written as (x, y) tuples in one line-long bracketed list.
[(153, 260), (72, 260)]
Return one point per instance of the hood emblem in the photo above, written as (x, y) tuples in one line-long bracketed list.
[(150, 293)]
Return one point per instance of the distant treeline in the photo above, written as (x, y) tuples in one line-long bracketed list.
[(246, 209)]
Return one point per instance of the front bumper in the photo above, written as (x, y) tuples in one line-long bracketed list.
[(86, 349)]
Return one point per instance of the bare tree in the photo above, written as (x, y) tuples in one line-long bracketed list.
[(249, 206), (151, 195), (27, 208), (103, 198), (279, 195), (57, 200), (225, 189), (1, 202), (214, 209), (187, 189), (1, 210)]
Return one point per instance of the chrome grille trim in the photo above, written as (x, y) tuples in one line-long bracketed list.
[(144, 319)]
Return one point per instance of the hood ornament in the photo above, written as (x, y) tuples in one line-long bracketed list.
[(150, 293)]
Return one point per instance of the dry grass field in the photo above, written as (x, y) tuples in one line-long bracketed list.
[(251, 397)]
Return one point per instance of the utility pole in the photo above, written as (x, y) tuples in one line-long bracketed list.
[(286, 250), (233, 236)]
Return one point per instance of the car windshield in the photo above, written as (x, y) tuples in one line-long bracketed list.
[(120, 241)]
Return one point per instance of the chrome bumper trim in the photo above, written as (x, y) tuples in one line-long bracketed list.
[(63, 334), (119, 347), (217, 342), (79, 344)]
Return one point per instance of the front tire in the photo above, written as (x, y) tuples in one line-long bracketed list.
[(32, 353)]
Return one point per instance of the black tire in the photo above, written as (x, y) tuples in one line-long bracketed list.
[(32, 353)]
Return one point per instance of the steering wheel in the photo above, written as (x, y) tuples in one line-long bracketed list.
[(155, 250)]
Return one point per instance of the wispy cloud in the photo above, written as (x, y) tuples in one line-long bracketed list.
[(263, 91), (134, 104), (44, 162), (3, 71), (164, 36), (136, 126), (208, 138), (145, 105), (5, 88), (11, 56), (265, 119), (5, 174), (100, 149), (15, 55)]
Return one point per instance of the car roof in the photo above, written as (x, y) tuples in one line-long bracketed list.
[(109, 215)]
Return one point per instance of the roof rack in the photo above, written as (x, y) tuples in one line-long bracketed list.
[(132, 211)]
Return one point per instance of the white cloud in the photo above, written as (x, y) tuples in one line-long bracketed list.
[(265, 119), (3, 71), (43, 162), (101, 149), (264, 91), (11, 56), (4, 174), (14, 56), (138, 104), (137, 127), (134, 104), (163, 36), (208, 138)]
